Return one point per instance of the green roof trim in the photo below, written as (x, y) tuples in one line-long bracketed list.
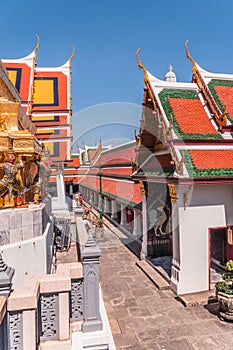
[(164, 96), (211, 85), (167, 172), (197, 173)]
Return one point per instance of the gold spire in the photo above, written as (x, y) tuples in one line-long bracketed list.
[(170, 68), (194, 68), (29, 109), (223, 117), (140, 66), (72, 54), (38, 43), (220, 117)]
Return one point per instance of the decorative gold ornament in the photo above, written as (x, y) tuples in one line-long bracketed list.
[(140, 66), (172, 193), (220, 117), (142, 188), (187, 196), (229, 236)]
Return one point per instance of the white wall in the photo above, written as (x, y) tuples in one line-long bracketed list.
[(194, 248), (29, 257), (216, 194)]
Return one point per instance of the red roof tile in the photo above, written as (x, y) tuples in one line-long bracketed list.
[(117, 156), (118, 171), (212, 159), (191, 117), (128, 191), (225, 94)]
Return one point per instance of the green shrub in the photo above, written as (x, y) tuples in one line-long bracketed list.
[(221, 286)]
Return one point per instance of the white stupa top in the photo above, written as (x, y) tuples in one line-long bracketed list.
[(170, 76)]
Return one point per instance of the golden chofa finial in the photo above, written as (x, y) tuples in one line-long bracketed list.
[(223, 117), (194, 68), (72, 54), (38, 43), (140, 66)]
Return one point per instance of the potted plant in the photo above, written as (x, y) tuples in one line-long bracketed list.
[(224, 293)]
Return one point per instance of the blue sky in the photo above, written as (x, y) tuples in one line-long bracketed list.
[(106, 35)]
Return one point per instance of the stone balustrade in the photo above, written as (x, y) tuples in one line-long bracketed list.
[(45, 310), (3, 318)]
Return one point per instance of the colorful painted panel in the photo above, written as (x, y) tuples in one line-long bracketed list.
[(58, 150), (51, 121), (51, 133), (50, 91), (19, 75)]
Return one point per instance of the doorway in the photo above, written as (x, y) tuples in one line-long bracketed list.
[(221, 250)]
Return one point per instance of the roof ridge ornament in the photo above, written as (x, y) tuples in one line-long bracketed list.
[(223, 117), (219, 116), (189, 57), (72, 54), (140, 66), (38, 43)]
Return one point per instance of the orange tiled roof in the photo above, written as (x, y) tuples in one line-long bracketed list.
[(225, 94), (212, 159), (122, 154), (126, 191), (117, 171), (191, 117), (190, 120)]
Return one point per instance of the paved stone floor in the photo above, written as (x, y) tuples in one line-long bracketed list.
[(144, 318)]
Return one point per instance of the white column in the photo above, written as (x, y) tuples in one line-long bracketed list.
[(96, 198), (144, 228), (91, 200), (71, 190), (123, 215), (109, 206), (114, 210), (136, 224), (105, 204)]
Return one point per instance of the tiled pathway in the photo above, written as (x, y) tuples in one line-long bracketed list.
[(144, 318)]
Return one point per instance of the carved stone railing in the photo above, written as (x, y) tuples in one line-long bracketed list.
[(3, 323), (48, 308), (75, 271), (43, 311)]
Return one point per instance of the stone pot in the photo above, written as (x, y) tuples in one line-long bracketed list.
[(226, 305)]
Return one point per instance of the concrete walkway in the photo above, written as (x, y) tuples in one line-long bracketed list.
[(142, 317)]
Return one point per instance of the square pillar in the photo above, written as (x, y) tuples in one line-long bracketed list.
[(91, 254), (114, 210)]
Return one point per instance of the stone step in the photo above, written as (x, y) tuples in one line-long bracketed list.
[(153, 275), (198, 298)]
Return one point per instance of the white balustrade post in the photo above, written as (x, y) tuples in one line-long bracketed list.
[(123, 215), (114, 210), (136, 224), (91, 254), (144, 227)]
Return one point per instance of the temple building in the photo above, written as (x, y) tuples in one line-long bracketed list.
[(175, 180), (46, 98), (46, 301), (106, 183), (185, 148)]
